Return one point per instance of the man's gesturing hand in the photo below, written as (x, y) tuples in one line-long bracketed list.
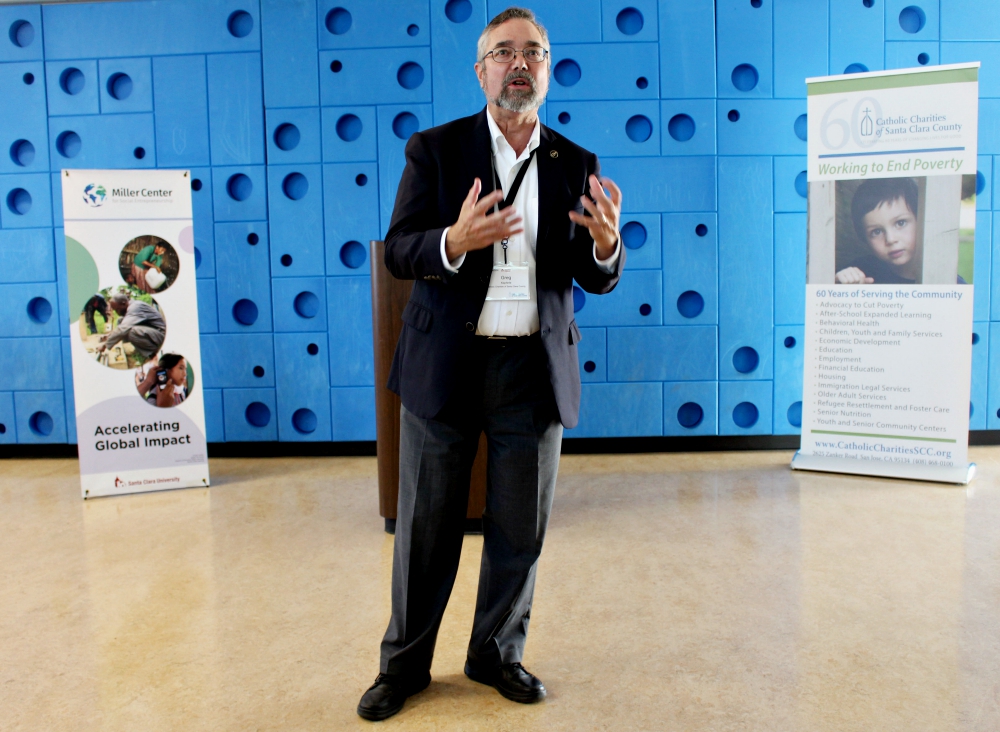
[(474, 229), (604, 215)]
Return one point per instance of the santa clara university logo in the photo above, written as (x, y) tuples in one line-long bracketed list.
[(94, 195)]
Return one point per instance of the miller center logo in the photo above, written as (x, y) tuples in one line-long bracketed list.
[(94, 195)]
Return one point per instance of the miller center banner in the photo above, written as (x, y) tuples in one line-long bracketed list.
[(891, 254), (133, 311)]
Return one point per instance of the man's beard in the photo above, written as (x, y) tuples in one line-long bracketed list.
[(515, 99)]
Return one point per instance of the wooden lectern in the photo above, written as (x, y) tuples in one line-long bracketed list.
[(389, 297)]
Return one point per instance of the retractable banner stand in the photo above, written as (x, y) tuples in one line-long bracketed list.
[(888, 325), (133, 311)]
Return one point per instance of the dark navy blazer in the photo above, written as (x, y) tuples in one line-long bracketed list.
[(440, 319)]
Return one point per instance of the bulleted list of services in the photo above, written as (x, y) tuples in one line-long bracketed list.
[(887, 373)]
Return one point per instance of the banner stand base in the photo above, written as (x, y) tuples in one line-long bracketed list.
[(935, 473)]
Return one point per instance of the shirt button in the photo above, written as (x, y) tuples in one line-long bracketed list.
[(470, 327), (509, 312)]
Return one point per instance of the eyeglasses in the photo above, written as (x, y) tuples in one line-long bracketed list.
[(504, 55)]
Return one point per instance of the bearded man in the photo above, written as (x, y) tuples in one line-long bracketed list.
[(495, 216)]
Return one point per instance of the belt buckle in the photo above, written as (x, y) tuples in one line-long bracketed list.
[(496, 338)]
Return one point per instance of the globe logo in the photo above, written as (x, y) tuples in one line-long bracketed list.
[(94, 195)]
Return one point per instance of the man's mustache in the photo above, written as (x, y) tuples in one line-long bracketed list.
[(519, 74)]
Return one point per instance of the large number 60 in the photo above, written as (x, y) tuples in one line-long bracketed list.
[(848, 130)]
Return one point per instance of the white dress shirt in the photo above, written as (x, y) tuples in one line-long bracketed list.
[(515, 317)]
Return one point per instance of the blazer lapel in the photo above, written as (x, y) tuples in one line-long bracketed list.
[(549, 175), (478, 153)]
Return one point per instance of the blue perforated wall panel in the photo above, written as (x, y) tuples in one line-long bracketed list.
[(293, 116)]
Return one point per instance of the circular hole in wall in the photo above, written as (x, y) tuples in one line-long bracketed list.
[(239, 187), (349, 127), (972, 409), (980, 183), (361, 179), (306, 304), (240, 24), (28, 78), (39, 310), (21, 33), (745, 77), (120, 86), (196, 184), (681, 127), (410, 75), (802, 184), (745, 359), (745, 414), (286, 260), (912, 19), (975, 338), (633, 235), (338, 21), (287, 136), (258, 371), (794, 414), (41, 424), (629, 21), (245, 312), (295, 186), (868, 3), (312, 349), (638, 128), (72, 81), (579, 299), (458, 11), (564, 118), (139, 153), (258, 414), (304, 421), (352, 254), (690, 304), (690, 415), (645, 309), (789, 342), (734, 115), (336, 66), (197, 258), (701, 230), (252, 239), (405, 124), (589, 366), (3, 428), (923, 59), (567, 72), (412, 30), (801, 127), (855, 69), (19, 201), (68, 144), (642, 82)]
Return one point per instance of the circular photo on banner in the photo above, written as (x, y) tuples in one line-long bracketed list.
[(149, 264), (122, 327), (165, 381)]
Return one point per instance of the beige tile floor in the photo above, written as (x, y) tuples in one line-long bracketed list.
[(676, 592)]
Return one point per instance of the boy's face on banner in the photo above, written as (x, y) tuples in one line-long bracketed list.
[(891, 230)]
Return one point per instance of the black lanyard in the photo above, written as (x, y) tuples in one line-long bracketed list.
[(512, 193)]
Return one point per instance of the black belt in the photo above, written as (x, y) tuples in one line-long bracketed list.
[(507, 341)]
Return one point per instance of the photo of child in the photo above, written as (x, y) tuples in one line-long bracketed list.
[(892, 231), (165, 382), (149, 263)]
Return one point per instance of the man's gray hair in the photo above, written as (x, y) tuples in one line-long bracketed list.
[(120, 297), (511, 13)]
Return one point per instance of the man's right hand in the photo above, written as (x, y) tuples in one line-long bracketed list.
[(474, 229), (853, 276)]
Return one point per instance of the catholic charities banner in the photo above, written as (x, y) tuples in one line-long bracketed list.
[(133, 311), (892, 213)]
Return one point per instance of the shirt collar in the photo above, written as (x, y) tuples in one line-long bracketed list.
[(497, 139)]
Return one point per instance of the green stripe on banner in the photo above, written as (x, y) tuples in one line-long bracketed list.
[(889, 437), (893, 81)]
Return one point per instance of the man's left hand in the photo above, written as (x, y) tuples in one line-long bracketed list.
[(604, 215)]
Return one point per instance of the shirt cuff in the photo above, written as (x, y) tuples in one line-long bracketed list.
[(607, 265), (456, 263)]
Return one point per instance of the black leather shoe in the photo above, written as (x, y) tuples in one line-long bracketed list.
[(512, 680), (387, 695)]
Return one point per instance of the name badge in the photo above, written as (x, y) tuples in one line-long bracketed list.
[(508, 282)]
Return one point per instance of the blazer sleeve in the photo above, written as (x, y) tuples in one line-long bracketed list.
[(413, 242), (585, 269)]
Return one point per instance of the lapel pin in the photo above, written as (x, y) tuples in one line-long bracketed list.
[(553, 153)]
